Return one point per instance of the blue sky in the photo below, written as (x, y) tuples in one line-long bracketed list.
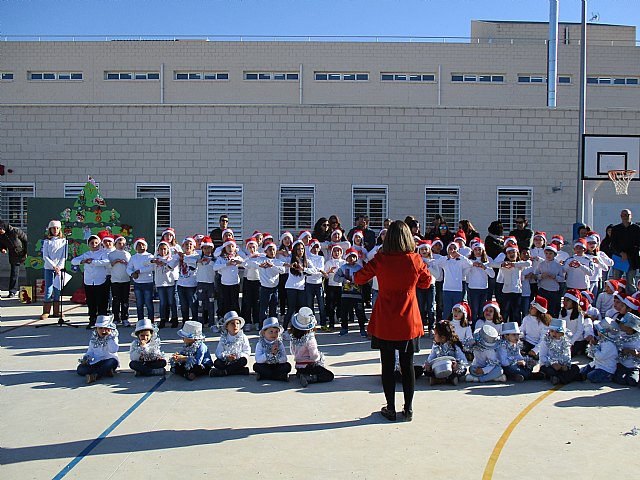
[(287, 17)]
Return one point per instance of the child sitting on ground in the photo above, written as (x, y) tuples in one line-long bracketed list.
[(304, 348), (194, 360), (628, 369), (101, 359), (534, 326), (490, 316), (445, 344), (232, 353), (514, 365), (604, 353), (486, 366), (271, 357), (555, 354), (145, 355)]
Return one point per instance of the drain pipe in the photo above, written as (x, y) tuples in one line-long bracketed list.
[(162, 83), (552, 54), (300, 82)]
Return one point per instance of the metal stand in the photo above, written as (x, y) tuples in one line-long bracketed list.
[(61, 321)]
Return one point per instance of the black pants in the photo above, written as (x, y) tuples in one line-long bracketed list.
[(145, 367), (388, 359), (13, 277), (579, 348), (349, 304), (282, 294), (97, 297), (569, 376), (332, 303), (553, 299), (296, 299), (251, 301), (322, 373), (197, 370), (439, 301), (235, 367), (272, 371), (229, 297), (120, 301)]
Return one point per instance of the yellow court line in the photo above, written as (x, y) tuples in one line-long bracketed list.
[(495, 454)]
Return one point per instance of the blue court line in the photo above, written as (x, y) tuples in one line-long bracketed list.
[(104, 434)]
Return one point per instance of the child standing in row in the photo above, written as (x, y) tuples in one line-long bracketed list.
[(251, 284), (120, 282), (313, 285), (233, 351), (96, 288), (140, 269), (271, 357), (165, 279), (308, 359), (101, 359), (351, 298), (194, 359), (535, 325), (478, 280), (187, 280), (270, 270), (227, 266), (334, 287), (146, 357)]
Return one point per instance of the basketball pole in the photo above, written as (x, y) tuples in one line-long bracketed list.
[(582, 118)]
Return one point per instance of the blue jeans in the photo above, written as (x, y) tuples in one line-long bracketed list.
[(50, 292), (374, 297), (100, 368), (427, 304), (166, 295), (449, 299), (512, 370), (477, 298), (596, 375), (315, 292), (510, 307), (268, 302), (188, 302), (144, 296), (494, 373), (525, 302)]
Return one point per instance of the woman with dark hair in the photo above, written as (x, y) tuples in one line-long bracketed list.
[(494, 245), (469, 230), (335, 224), (605, 244), (395, 323), (321, 230), (444, 234), (414, 226)]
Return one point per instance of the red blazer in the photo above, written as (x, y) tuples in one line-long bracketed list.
[(396, 315)]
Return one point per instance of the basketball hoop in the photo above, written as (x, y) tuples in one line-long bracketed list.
[(621, 180)]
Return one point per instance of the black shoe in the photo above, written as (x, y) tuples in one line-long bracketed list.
[(388, 414), (11, 295), (407, 414), (174, 323)]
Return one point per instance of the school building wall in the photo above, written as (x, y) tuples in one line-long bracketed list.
[(333, 148)]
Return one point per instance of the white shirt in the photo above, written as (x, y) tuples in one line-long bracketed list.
[(317, 262), (53, 252), (578, 277), (454, 271), (119, 270), (206, 272), (95, 273), (512, 277), (165, 275), (532, 331), (188, 271), (141, 262), (478, 278), (228, 273)]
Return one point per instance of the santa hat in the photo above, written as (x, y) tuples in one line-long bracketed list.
[(581, 242), (491, 303), (614, 285), (558, 239), (540, 303), (269, 245), (591, 239), (477, 244), (424, 244), (120, 238), (251, 240), (337, 230), (576, 296), (595, 235), (335, 246), (622, 284), (313, 242), (189, 240), (170, 230), (93, 235), (628, 300), (267, 236), (358, 233), (256, 232), (436, 241), (453, 244), (551, 247), (466, 309), (163, 243), (588, 297), (226, 231), (460, 235), (510, 239), (139, 240), (286, 234), (231, 241), (510, 248), (108, 236), (206, 241), (542, 235), (303, 234), (381, 232), (198, 236), (103, 233), (293, 245), (350, 251), (416, 238)]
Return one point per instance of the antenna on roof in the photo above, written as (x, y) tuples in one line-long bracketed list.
[(595, 17)]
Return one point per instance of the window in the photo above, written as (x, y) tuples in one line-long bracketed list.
[(225, 199), (562, 79), (443, 201), (72, 190), (273, 76), (408, 77), (6, 76), (618, 81), (200, 75), (370, 200), (53, 76), (512, 203), (162, 193), (132, 75), (471, 78), (297, 207), (13, 203), (344, 76)]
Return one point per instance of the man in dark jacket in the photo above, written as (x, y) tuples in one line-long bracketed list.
[(523, 234), (14, 242), (625, 241)]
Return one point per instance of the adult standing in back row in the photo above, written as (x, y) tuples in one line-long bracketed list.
[(625, 241), (13, 241), (395, 323)]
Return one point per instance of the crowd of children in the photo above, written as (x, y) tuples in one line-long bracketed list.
[(521, 315)]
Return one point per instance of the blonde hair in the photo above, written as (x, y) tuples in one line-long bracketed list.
[(398, 238)]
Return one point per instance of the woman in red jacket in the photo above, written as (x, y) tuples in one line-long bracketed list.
[(395, 321)]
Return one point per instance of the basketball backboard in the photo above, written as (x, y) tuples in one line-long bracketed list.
[(601, 153)]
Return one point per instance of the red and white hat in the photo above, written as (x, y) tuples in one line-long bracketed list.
[(558, 239), (313, 242), (120, 237), (256, 232), (350, 251), (303, 234), (453, 244), (477, 244), (551, 247), (93, 235), (576, 296), (139, 240), (358, 233), (162, 242), (189, 240), (511, 247), (595, 235), (436, 241), (628, 300), (108, 237), (592, 239), (230, 241), (270, 244), (198, 236), (589, 297), (510, 239), (206, 241), (267, 236), (622, 284), (170, 230), (251, 240), (286, 234), (580, 242), (460, 235), (466, 309), (420, 244), (491, 303), (337, 231), (614, 285), (228, 231), (542, 235), (335, 246), (540, 303)]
